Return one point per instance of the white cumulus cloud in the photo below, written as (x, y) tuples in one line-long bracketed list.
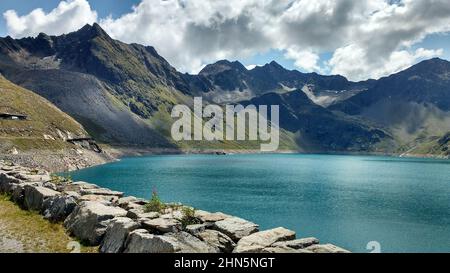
[(67, 16), (367, 38)]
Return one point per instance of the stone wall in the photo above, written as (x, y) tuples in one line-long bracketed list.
[(116, 224)]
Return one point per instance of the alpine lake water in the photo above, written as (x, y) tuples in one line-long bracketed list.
[(356, 202)]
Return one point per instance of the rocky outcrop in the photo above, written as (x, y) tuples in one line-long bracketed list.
[(35, 196), (256, 242), (141, 241), (89, 221), (298, 244), (327, 248), (217, 239), (58, 207), (117, 224), (163, 225), (117, 234), (236, 228)]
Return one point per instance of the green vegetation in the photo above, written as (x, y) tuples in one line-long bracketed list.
[(25, 231), (189, 217), (44, 122), (155, 204)]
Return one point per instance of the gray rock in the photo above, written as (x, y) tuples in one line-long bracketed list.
[(57, 208), (101, 191), (236, 228), (327, 248), (186, 243), (7, 183), (298, 244), (175, 214), (107, 200), (89, 220), (134, 213), (163, 225), (116, 234), (35, 196), (78, 186), (283, 249), (141, 241), (73, 194), (256, 242), (195, 229), (139, 213), (50, 185), (217, 239), (130, 202), (208, 217)]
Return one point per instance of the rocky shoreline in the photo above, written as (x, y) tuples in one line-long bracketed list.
[(122, 224)]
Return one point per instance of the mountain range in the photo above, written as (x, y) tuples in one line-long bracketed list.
[(122, 94)]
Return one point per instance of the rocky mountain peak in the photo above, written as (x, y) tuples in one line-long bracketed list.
[(90, 32), (221, 66)]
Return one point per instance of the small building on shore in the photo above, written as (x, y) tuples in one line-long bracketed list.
[(9, 116)]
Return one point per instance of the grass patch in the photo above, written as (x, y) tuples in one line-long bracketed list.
[(189, 217), (155, 204), (26, 231)]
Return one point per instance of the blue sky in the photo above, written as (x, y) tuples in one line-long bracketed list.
[(311, 36)]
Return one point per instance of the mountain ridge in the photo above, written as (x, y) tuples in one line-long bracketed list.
[(123, 93)]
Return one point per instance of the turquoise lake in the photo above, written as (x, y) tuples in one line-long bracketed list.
[(404, 204)]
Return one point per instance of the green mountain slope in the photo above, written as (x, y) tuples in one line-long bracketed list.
[(46, 127)]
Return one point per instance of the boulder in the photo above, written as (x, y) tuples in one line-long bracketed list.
[(236, 228), (186, 243), (208, 217), (58, 207), (217, 239), (89, 220), (141, 241), (327, 248), (101, 191), (298, 244), (256, 242), (175, 214), (163, 225), (7, 183), (195, 229), (283, 249), (36, 195), (27, 176), (130, 202), (116, 234), (50, 185), (107, 200), (139, 214), (78, 186)]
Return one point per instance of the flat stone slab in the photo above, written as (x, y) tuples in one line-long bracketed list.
[(256, 242), (163, 225), (195, 229), (205, 216), (283, 249), (105, 199), (299, 243), (236, 228), (101, 191), (327, 248)]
